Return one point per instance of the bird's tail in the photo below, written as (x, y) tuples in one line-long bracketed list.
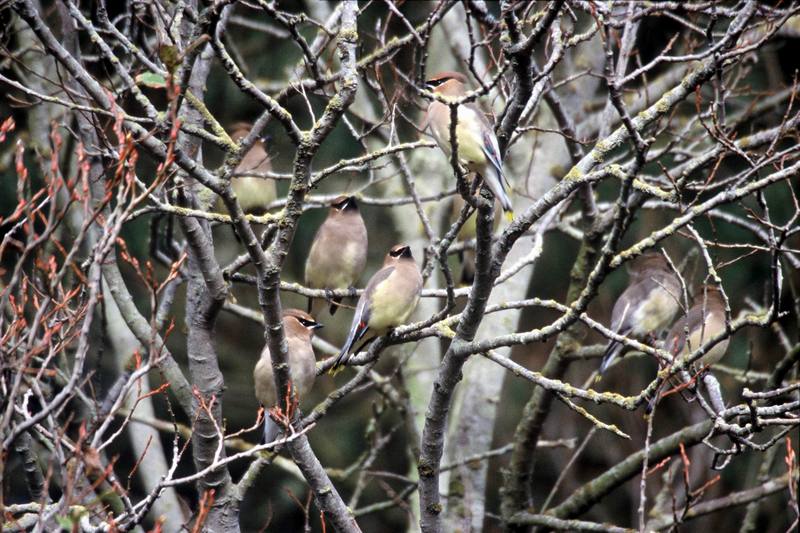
[(611, 353), (316, 306), (357, 331), (686, 384), (494, 179), (335, 305), (271, 429)]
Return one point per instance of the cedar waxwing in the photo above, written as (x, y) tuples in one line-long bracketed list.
[(647, 306), (298, 327), (477, 144), (468, 232), (254, 193), (389, 299), (705, 320), (339, 251)]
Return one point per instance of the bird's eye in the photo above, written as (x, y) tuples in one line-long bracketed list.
[(309, 324)]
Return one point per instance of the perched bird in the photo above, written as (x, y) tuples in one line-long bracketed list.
[(468, 232), (298, 327), (389, 299), (704, 321), (254, 193), (339, 250), (646, 306), (477, 144)]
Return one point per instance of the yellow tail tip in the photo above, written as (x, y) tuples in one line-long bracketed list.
[(268, 455), (509, 215)]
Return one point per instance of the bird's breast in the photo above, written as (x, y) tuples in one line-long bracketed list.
[(712, 326), (253, 193), (469, 134), (392, 303), (337, 266), (470, 139), (302, 370)]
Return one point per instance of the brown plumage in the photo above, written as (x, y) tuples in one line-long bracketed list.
[(298, 327), (704, 321), (647, 305), (477, 144), (448, 83), (389, 299), (339, 251), (254, 193)]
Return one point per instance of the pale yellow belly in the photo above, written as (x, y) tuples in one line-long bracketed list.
[(468, 133), (390, 307), (254, 194), (714, 326)]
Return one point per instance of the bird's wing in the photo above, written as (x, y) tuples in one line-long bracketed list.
[(637, 296), (366, 298), (624, 315), (316, 254), (361, 317), (492, 151), (490, 147), (622, 312), (620, 324)]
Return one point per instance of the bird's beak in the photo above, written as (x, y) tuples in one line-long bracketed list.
[(318, 326)]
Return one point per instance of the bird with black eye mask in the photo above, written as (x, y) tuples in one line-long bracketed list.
[(478, 150), (298, 328), (339, 251), (647, 306), (390, 297)]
